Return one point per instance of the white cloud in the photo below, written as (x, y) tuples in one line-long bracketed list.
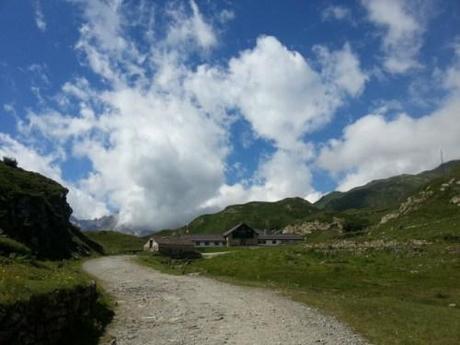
[(194, 28), (158, 134), (336, 12), (39, 17), (376, 146), (343, 69), (283, 174), (291, 100), (403, 26)]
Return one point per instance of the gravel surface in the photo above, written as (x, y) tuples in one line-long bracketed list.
[(156, 308)]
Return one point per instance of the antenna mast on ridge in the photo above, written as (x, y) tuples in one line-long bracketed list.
[(442, 156)]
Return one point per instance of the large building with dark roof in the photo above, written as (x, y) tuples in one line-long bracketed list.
[(239, 235)]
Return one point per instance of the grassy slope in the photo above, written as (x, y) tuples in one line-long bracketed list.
[(117, 243), (23, 277), (385, 193), (17, 180), (261, 215)]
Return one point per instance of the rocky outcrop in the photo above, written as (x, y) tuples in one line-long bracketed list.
[(455, 200), (34, 211), (411, 204), (313, 226), (49, 318)]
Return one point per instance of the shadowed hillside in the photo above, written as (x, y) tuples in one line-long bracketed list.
[(384, 193), (34, 212)]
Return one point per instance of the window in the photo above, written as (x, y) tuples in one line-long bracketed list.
[(198, 243), (274, 241), (206, 243), (150, 243), (216, 243)]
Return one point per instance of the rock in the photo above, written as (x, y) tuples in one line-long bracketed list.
[(455, 200), (316, 225)]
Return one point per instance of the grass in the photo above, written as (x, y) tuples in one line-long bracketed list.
[(23, 277), (9, 246), (116, 242), (395, 295)]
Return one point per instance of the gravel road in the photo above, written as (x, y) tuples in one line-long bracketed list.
[(156, 308)]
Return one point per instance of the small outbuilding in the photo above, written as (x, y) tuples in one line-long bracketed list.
[(171, 246)]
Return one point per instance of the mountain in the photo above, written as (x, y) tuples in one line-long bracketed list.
[(35, 213), (261, 215), (96, 224), (356, 209), (385, 193)]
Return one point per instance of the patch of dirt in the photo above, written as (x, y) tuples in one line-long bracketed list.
[(156, 308)]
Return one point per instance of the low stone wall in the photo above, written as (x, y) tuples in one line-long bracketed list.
[(46, 319)]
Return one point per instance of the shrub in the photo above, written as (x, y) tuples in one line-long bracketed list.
[(10, 162)]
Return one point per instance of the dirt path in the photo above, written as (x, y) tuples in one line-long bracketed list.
[(155, 308)]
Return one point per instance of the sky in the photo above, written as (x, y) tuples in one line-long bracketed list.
[(162, 111)]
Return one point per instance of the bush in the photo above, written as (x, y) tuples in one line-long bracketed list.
[(353, 224), (10, 162)]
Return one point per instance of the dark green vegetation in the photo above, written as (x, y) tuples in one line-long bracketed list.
[(34, 211), (261, 215), (39, 274), (114, 242), (384, 193)]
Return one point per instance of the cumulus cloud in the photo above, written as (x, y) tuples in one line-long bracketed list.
[(281, 175), (343, 69), (402, 23), (157, 131), (291, 100), (378, 146)]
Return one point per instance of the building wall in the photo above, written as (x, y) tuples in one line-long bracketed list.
[(151, 246), (208, 244), (231, 242)]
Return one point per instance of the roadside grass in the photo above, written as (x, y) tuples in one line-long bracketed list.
[(23, 277), (115, 243), (397, 295)]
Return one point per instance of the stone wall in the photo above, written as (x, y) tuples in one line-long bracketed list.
[(46, 319)]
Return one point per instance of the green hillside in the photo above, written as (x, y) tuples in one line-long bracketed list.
[(261, 215), (384, 193), (35, 213), (433, 213), (114, 242)]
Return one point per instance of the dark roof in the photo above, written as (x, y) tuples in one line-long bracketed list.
[(280, 237), (179, 241), (205, 237), (228, 232)]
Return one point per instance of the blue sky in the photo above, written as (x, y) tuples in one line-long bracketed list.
[(163, 111)]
